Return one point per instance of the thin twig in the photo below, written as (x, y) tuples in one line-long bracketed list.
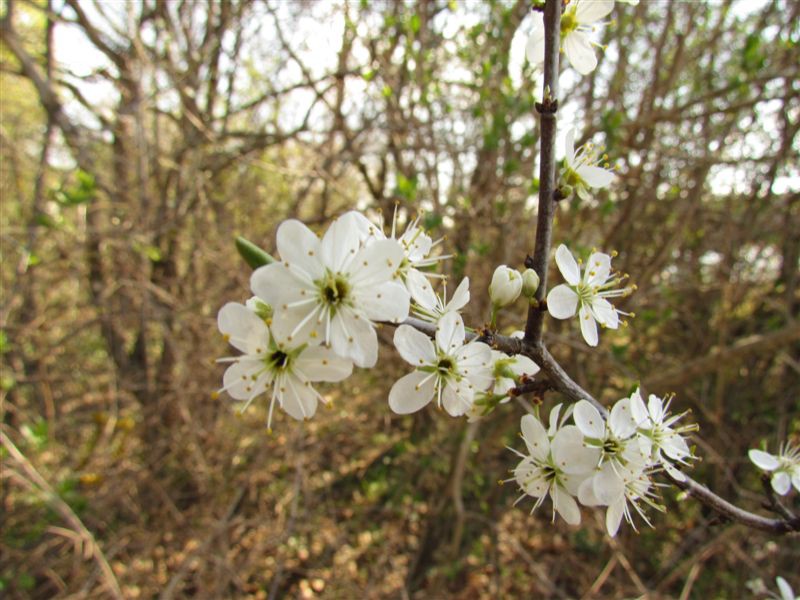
[(547, 167)]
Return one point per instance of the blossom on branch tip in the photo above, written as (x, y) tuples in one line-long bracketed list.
[(576, 24), (785, 467), (272, 363), (333, 290), (448, 370), (587, 295)]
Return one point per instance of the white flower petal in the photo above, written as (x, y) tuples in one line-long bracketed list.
[(598, 268), (457, 398), (298, 246), (608, 485), (296, 397), (414, 346), (318, 363), (781, 482), (569, 146), (341, 242), (354, 337), (586, 495), (565, 505), (523, 365), (675, 447), (639, 410), (562, 302), (673, 472), (595, 177), (567, 265), (421, 290), (589, 421), (569, 453), (589, 11), (450, 332), (535, 437), (785, 589), (376, 264), (409, 394), (796, 479), (614, 516), (655, 408), (763, 460), (579, 52), (588, 326), (277, 284), (531, 479), (238, 379), (245, 330), (534, 48), (388, 301), (604, 312), (621, 420), (460, 296)]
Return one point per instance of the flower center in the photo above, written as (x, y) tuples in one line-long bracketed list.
[(585, 293), (445, 365), (611, 447), (334, 289), (277, 359), (569, 23), (549, 473)]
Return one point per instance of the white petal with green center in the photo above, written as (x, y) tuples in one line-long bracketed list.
[(562, 302), (411, 392), (415, 347)]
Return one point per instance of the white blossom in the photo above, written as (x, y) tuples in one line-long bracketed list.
[(272, 363), (785, 467), (507, 372), (785, 590), (449, 370), (582, 171), (576, 25), (587, 295), (656, 424), (333, 290), (554, 466), (427, 303)]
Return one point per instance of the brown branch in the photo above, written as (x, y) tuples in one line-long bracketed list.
[(547, 166)]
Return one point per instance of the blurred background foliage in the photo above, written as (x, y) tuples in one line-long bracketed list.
[(139, 138)]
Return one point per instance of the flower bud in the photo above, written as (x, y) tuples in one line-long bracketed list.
[(261, 308), (530, 283), (505, 287)]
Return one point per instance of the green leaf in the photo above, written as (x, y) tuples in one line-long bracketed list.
[(252, 254)]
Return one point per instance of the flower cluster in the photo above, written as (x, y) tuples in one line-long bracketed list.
[(315, 310), (602, 462), (785, 467)]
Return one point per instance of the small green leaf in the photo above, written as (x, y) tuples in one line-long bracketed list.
[(252, 254)]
